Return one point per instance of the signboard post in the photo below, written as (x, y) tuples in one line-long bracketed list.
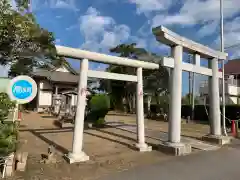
[(22, 89)]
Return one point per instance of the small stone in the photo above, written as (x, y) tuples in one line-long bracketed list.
[(50, 157)]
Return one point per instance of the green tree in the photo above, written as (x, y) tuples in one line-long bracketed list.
[(155, 81), (8, 130), (22, 40), (123, 93), (186, 99)]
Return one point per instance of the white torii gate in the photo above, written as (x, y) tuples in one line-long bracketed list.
[(178, 45), (77, 154)]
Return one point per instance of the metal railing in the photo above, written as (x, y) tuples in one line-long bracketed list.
[(231, 82)]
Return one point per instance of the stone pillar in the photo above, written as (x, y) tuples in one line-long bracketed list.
[(215, 135), (77, 154), (174, 126), (141, 145), (215, 100)]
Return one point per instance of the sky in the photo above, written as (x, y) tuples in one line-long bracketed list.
[(98, 25)]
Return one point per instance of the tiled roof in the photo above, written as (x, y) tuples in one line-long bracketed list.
[(232, 67), (57, 76)]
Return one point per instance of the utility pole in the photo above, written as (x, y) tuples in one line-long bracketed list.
[(223, 79), (193, 90), (190, 81)]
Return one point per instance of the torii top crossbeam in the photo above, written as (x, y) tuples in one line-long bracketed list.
[(103, 58), (170, 38)]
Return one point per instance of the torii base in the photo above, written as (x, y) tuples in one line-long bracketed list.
[(176, 149), (143, 147), (76, 158), (220, 140)]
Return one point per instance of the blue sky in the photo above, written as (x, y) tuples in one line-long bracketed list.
[(97, 25)]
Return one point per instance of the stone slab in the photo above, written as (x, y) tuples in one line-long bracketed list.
[(10, 164), (22, 161), (163, 136), (178, 149), (220, 140), (63, 124)]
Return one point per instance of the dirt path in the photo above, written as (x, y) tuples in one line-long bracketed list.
[(110, 150)]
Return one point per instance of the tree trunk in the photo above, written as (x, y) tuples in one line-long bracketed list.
[(149, 99), (134, 102), (129, 101), (157, 101)]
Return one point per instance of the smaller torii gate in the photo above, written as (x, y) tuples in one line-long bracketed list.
[(77, 154)]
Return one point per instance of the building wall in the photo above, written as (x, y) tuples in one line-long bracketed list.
[(44, 99), (74, 100), (4, 84), (231, 100), (45, 92), (62, 69)]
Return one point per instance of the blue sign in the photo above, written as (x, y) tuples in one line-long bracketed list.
[(22, 89)]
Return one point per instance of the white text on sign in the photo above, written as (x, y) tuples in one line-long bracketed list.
[(19, 89)]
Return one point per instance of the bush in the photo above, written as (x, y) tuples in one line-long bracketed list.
[(8, 130), (99, 106)]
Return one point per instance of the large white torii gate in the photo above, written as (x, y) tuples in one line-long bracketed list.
[(178, 45)]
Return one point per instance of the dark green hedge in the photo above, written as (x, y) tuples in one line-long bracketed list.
[(200, 112), (99, 106)]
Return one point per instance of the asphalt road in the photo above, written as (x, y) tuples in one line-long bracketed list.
[(223, 164)]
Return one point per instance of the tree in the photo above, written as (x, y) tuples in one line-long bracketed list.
[(155, 81), (8, 130), (187, 97), (22, 40), (125, 92)]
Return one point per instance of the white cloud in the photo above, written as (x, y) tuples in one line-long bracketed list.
[(61, 4), (231, 34), (189, 13), (58, 41), (146, 6), (232, 26), (101, 32), (198, 11), (72, 27), (234, 54), (208, 29), (170, 20), (59, 17)]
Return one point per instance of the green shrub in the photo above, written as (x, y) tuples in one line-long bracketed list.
[(100, 102), (99, 106), (8, 130)]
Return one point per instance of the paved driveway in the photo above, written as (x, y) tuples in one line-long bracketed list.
[(222, 164)]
